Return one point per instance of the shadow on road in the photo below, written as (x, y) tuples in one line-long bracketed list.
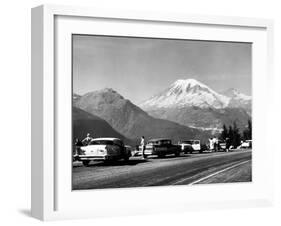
[(168, 156), (133, 161), (130, 162)]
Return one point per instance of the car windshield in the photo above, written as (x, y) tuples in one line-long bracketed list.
[(101, 142), (153, 142), (118, 142), (187, 142), (159, 142), (166, 142)]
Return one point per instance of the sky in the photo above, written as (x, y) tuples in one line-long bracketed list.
[(139, 68)]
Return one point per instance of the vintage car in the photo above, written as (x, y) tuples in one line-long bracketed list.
[(160, 147), (222, 145), (188, 146), (246, 144), (105, 149)]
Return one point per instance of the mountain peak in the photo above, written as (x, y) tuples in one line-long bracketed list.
[(105, 93), (110, 90), (235, 94), (184, 93), (189, 86), (188, 83)]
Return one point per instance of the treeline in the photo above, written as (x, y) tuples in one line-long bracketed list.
[(233, 135)]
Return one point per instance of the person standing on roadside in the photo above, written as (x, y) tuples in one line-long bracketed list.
[(211, 141), (142, 144), (87, 139), (216, 144)]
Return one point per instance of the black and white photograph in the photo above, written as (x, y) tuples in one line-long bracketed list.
[(160, 112)]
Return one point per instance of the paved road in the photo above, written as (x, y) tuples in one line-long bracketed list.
[(170, 170)]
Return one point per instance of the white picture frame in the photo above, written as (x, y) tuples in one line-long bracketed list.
[(52, 197)]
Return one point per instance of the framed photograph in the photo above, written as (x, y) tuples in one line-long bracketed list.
[(137, 112)]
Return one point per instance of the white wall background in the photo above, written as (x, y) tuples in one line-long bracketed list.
[(15, 111)]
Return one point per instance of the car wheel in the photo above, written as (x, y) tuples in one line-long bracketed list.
[(177, 154), (86, 162)]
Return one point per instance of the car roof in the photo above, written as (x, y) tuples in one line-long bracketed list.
[(106, 138), (159, 139), (192, 140), (189, 140)]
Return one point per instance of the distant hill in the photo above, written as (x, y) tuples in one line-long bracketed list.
[(84, 123), (204, 118), (130, 120)]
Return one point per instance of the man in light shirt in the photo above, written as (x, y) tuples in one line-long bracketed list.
[(142, 144), (87, 139), (211, 141)]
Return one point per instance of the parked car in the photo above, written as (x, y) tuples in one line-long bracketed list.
[(160, 147), (222, 145), (246, 144), (189, 146), (104, 149)]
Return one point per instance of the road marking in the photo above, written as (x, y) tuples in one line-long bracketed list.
[(211, 175), (218, 172)]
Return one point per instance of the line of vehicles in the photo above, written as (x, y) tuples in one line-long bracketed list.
[(111, 149)]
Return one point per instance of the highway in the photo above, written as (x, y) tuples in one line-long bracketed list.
[(188, 169)]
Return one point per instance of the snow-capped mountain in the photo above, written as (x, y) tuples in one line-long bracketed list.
[(235, 94), (238, 99), (187, 93), (194, 104)]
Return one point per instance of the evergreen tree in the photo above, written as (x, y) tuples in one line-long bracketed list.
[(236, 136), (247, 133), (230, 134), (224, 133), (249, 130)]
